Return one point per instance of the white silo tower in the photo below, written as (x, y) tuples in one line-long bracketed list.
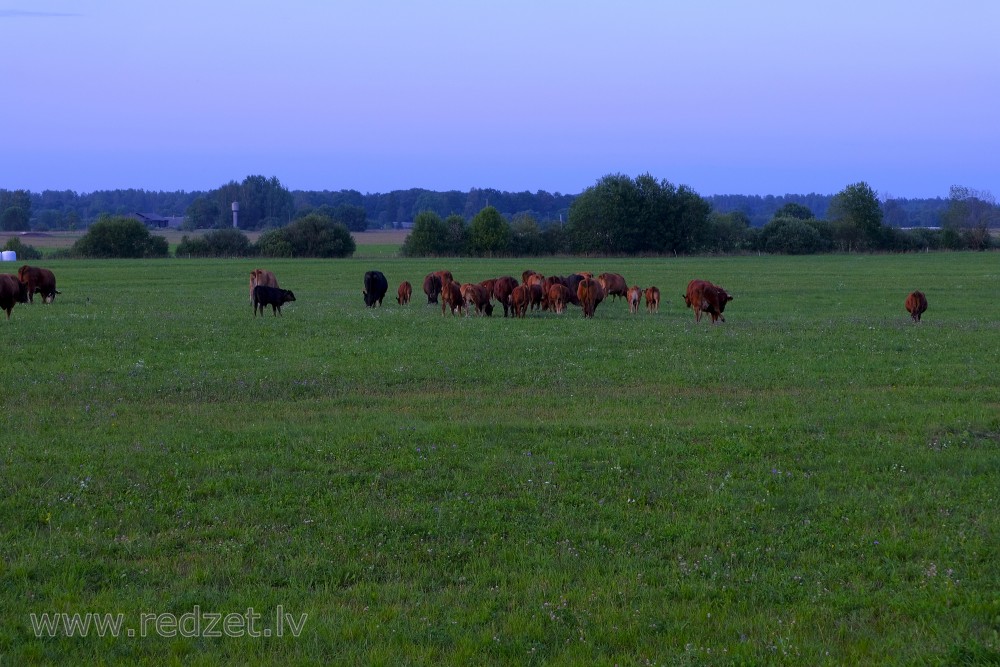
[(236, 213)]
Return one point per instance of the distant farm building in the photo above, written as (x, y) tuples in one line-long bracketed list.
[(154, 221)]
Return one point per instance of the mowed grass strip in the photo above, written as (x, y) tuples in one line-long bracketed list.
[(814, 481)]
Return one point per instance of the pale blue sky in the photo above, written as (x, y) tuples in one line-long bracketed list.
[(375, 95)]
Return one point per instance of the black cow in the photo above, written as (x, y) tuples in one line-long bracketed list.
[(263, 295), (375, 288)]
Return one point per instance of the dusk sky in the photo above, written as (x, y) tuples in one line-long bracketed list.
[(725, 96)]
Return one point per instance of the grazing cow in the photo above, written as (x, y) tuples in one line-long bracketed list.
[(557, 297), (535, 295), (375, 288), (519, 300), (261, 277), (614, 284), (38, 280), (404, 292), (572, 282), (703, 296), (432, 287), (478, 296), (12, 291), (586, 294), (527, 274), (652, 299), (502, 288), (916, 304), (634, 294), (451, 297), (265, 295)]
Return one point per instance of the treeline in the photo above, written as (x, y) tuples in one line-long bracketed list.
[(121, 237), (898, 212), (265, 203), (624, 216)]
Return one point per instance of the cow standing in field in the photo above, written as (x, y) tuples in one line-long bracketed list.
[(520, 298), (614, 284), (12, 292), (916, 304), (535, 295), (261, 277), (451, 297), (478, 296), (404, 292), (375, 288), (38, 280), (572, 282), (587, 293), (432, 287), (703, 296), (652, 295), (634, 294), (556, 298), (502, 288), (265, 295)]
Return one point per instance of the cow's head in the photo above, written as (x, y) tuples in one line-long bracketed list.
[(287, 295)]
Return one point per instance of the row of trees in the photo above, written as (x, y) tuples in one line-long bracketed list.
[(125, 237), (266, 203), (621, 215)]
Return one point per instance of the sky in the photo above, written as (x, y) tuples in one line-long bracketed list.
[(724, 96)]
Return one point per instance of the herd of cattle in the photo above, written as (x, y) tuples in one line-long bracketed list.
[(22, 288), (534, 290)]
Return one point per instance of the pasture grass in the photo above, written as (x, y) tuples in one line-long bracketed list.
[(813, 482)]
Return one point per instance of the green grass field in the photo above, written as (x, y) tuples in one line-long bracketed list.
[(815, 481)]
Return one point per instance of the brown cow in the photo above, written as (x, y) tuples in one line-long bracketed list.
[(634, 294), (557, 297), (38, 280), (519, 300), (535, 279), (502, 288), (261, 277), (451, 297), (478, 296), (445, 277), (527, 274), (614, 284), (404, 292), (432, 287), (12, 291), (587, 292), (535, 295), (652, 299), (916, 304), (703, 296)]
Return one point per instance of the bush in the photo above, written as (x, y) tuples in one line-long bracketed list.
[(312, 236), (427, 238), (119, 237), (272, 243), (217, 243), (791, 236), (24, 251)]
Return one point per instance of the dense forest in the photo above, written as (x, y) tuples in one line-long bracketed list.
[(265, 203)]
